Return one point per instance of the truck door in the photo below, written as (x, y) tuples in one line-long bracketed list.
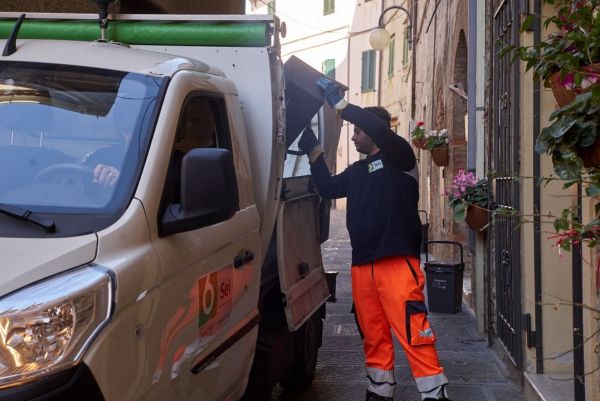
[(211, 286), (303, 224)]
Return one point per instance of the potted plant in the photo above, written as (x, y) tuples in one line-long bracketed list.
[(567, 61), (418, 135), (469, 199), (571, 138), (437, 143)]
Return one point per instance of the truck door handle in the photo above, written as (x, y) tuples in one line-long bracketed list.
[(242, 258)]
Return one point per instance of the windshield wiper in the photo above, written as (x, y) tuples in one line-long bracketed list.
[(28, 215)]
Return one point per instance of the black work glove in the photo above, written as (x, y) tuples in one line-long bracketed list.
[(308, 141), (309, 144)]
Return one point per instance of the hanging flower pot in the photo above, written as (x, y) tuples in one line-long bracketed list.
[(590, 154), (564, 88), (439, 154), (420, 143), (418, 135), (477, 217)]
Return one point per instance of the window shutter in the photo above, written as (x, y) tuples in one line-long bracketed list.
[(328, 7), (368, 71), (329, 68), (391, 55)]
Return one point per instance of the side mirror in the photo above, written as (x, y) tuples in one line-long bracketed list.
[(209, 192)]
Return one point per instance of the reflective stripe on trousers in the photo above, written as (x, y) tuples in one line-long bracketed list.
[(389, 293)]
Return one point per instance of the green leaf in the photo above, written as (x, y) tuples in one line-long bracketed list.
[(593, 189), (541, 144), (561, 127), (460, 212), (587, 134), (561, 225), (527, 23), (506, 49)]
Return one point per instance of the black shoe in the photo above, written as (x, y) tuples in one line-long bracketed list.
[(376, 397)]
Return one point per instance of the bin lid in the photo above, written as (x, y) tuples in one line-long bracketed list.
[(303, 96), (437, 265)]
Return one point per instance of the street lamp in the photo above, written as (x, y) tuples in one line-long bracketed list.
[(379, 38)]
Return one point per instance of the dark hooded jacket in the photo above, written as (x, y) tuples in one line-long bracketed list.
[(382, 193)]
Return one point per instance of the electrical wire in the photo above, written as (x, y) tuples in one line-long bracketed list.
[(293, 19)]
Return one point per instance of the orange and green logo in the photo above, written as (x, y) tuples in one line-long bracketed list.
[(208, 301)]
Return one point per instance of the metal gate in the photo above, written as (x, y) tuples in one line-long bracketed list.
[(506, 164)]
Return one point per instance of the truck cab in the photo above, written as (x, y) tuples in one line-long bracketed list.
[(158, 240)]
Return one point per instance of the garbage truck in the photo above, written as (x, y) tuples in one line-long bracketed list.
[(159, 232)]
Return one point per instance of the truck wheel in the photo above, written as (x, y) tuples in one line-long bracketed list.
[(307, 340)]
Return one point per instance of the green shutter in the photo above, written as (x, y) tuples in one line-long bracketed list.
[(368, 71), (405, 48), (328, 7), (329, 68)]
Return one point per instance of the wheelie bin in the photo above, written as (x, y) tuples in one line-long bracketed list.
[(444, 281)]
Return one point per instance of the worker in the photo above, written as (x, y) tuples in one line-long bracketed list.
[(382, 218)]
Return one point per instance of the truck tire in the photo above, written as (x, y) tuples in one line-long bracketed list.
[(307, 341)]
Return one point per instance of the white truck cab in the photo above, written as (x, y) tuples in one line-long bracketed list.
[(157, 241)]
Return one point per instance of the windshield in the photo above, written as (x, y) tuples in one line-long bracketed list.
[(73, 139)]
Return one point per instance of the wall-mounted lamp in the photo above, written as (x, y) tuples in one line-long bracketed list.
[(379, 38)]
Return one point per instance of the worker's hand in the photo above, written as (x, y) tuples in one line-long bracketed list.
[(333, 93), (309, 144), (106, 175)]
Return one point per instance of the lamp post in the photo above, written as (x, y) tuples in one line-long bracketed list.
[(379, 38)]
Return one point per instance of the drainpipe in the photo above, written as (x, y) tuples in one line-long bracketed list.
[(472, 87), (537, 203), (379, 70), (578, 340), (413, 73)]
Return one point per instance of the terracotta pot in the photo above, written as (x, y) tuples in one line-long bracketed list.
[(419, 143), (477, 217), (590, 154), (564, 96), (439, 154)]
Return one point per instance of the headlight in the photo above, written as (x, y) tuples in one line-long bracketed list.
[(47, 327)]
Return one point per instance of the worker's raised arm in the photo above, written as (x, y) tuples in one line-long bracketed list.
[(393, 146)]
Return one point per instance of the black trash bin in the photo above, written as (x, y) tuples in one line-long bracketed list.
[(424, 231), (444, 281)]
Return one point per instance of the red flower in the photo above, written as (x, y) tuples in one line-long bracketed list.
[(420, 123)]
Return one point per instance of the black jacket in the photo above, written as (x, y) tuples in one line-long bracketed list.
[(382, 190)]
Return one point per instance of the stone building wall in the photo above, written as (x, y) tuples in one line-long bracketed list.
[(441, 62)]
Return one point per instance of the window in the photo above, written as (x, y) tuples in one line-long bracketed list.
[(271, 7), (391, 56), (329, 68), (368, 71), (203, 124), (405, 48), (328, 7)]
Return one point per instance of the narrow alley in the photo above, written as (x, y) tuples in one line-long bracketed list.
[(474, 370)]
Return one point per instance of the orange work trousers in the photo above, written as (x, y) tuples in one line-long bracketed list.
[(389, 294)]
